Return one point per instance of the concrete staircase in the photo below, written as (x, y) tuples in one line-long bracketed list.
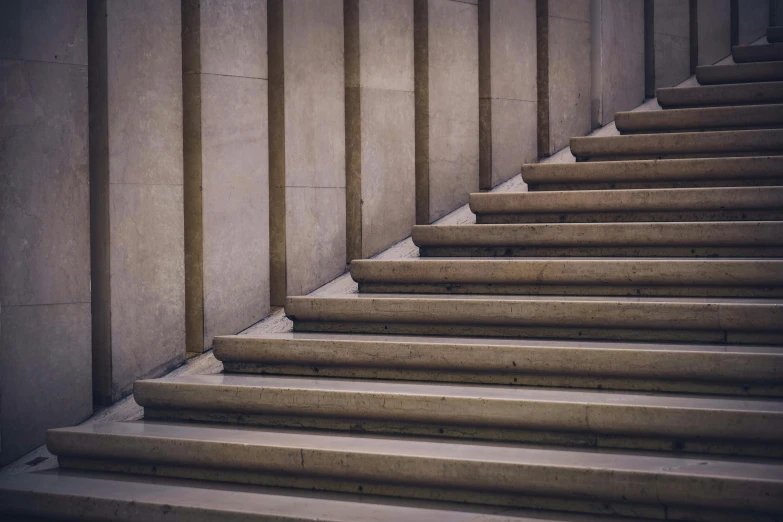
[(606, 347)]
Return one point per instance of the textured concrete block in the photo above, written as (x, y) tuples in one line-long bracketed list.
[(226, 168), (45, 379), (447, 113), (136, 174), (753, 20), (714, 30), (507, 75), (44, 30), (618, 71), (380, 131), (565, 81), (225, 37), (307, 144), (672, 42)]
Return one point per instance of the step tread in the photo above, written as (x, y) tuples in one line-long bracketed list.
[(720, 95), (501, 393), (141, 498), (726, 301), (700, 117), (740, 72), (757, 53)]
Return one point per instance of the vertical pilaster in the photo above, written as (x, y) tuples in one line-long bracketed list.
[(752, 20), (379, 119), (226, 167), (507, 88), (136, 175), (714, 30), (447, 108), (672, 41)]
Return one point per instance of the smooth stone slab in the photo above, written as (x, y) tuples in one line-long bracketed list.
[(757, 53), (710, 118), (705, 368), (104, 496), (717, 95), (691, 172), (679, 144), (626, 477), (740, 73)]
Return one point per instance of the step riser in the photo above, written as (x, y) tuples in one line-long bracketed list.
[(628, 217), (665, 153), (361, 422), (600, 251), (701, 119), (720, 95), (677, 290), (740, 73), (612, 185), (671, 129), (757, 53), (775, 34)]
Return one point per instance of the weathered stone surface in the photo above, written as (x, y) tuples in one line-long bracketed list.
[(447, 117), (507, 85), (753, 19), (740, 73), (714, 30), (380, 125), (307, 145), (768, 116), (136, 173), (672, 42), (618, 58), (716, 95), (51, 340)]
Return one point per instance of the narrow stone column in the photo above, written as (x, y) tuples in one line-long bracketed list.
[(45, 350), (226, 167), (713, 29), (507, 88), (379, 124), (136, 176), (564, 72), (306, 145), (447, 112), (672, 41), (618, 58)]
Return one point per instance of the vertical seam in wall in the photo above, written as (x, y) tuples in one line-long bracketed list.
[(195, 313), (693, 20), (353, 131), (542, 76), (421, 109), (278, 280), (485, 95), (100, 227)]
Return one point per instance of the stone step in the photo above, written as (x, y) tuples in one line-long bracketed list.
[(687, 239), (720, 95), (657, 319), (622, 482), (679, 145), (757, 53), (697, 119), (573, 276), (696, 423), (671, 173), (697, 368), (593, 206), (90, 495), (740, 73), (775, 34)]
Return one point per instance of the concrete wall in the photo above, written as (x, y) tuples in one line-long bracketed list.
[(507, 88), (564, 72), (380, 159), (307, 145), (45, 362), (753, 20), (672, 41), (136, 178), (447, 112), (714, 30), (617, 57), (226, 167)]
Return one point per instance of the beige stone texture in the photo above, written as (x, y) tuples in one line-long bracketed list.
[(226, 167), (569, 74), (307, 145), (714, 30), (507, 89), (672, 42), (380, 129), (448, 122), (753, 20), (618, 58), (45, 374), (136, 170)]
